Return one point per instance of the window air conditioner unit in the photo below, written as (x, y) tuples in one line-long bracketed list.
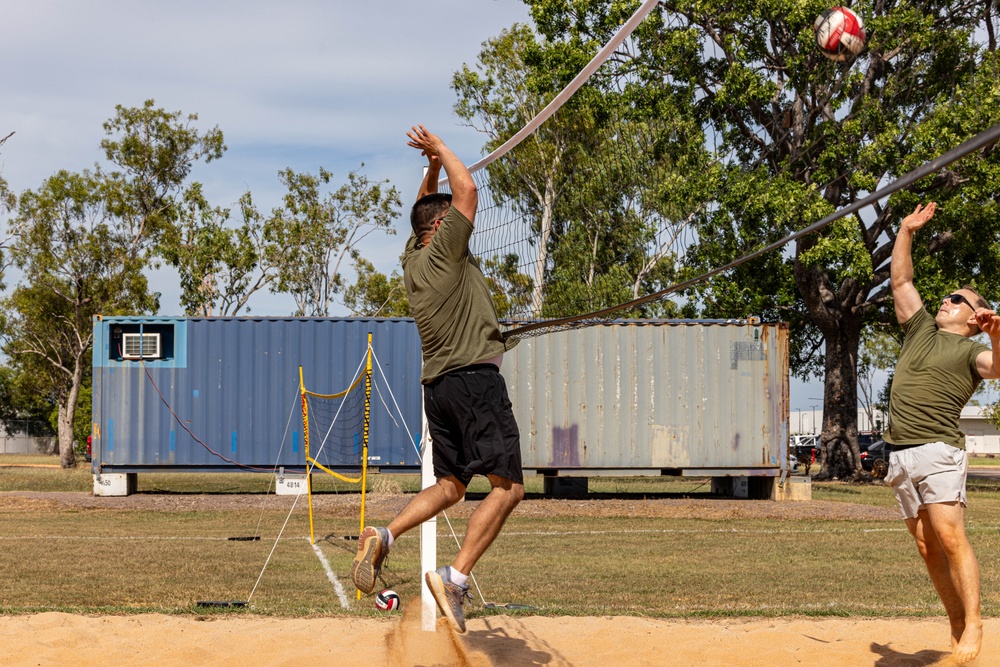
[(141, 346)]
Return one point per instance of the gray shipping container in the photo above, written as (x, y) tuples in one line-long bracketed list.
[(666, 397), (640, 397)]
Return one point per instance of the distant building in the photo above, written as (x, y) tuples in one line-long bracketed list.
[(21, 443), (981, 437), (809, 422)]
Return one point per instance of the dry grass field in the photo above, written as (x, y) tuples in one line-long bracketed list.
[(658, 561)]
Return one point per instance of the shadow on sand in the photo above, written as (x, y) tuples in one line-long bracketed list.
[(893, 658)]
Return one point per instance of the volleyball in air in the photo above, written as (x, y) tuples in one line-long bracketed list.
[(840, 34), (387, 600)]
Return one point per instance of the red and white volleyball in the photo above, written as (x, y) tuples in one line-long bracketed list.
[(840, 33), (387, 600)]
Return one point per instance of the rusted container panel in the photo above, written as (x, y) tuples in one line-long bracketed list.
[(665, 395)]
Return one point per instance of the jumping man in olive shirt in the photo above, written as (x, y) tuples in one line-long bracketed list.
[(465, 399), (939, 369)]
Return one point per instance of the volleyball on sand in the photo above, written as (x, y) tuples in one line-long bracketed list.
[(387, 600), (840, 33)]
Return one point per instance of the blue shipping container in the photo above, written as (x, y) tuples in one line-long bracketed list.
[(233, 385)]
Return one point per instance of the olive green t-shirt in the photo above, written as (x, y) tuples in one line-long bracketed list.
[(935, 377), (450, 300)]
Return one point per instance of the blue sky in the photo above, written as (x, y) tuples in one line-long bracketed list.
[(298, 84)]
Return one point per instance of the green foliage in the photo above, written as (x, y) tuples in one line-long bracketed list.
[(992, 413), (82, 425), (312, 236), (220, 266), (511, 290), (22, 408), (153, 151), (375, 295), (597, 199)]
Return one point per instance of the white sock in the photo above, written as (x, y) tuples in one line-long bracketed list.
[(459, 578), (388, 542)]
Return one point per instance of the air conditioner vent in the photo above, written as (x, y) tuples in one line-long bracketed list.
[(141, 346)]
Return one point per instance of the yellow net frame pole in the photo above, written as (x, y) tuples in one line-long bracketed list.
[(364, 436), (305, 446)]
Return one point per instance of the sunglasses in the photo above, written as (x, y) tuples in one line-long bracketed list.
[(958, 298)]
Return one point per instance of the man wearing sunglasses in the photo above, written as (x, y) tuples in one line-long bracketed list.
[(939, 369)]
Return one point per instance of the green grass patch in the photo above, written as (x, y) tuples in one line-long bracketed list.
[(132, 561), (984, 460)]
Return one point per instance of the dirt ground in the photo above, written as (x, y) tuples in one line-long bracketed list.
[(57, 639)]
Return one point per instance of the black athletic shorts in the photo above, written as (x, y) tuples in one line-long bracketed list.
[(472, 425)]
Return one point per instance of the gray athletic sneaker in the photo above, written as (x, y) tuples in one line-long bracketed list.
[(449, 596), (372, 551)]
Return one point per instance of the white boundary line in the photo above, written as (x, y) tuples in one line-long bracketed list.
[(337, 587)]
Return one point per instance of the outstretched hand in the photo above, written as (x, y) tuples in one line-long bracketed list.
[(428, 144), (989, 322), (919, 217)]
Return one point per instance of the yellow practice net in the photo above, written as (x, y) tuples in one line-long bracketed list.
[(335, 430)]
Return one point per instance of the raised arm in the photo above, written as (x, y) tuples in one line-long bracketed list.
[(904, 294), (464, 196), (432, 175), (988, 363)]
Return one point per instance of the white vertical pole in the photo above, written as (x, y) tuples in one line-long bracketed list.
[(428, 529)]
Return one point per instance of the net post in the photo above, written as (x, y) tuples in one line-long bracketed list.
[(364, 436), (428, 529), (305, 447), (366, 429)]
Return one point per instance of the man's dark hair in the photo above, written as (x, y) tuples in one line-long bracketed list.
[(428, 209), (980, 301)]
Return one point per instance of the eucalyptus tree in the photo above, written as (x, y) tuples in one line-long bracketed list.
[(83, 243), (584, 180), (151, 153), (315, 234), (220, 264), (75, 263)]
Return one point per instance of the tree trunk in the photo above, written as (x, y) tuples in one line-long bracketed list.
[(67, 411), (834, 309), (67, 457), (839, 440)]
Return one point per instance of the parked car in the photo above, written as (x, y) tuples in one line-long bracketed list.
[(866, 439), (878, 451), (805, 447)]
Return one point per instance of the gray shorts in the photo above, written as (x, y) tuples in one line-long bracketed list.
[(931, 473)]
